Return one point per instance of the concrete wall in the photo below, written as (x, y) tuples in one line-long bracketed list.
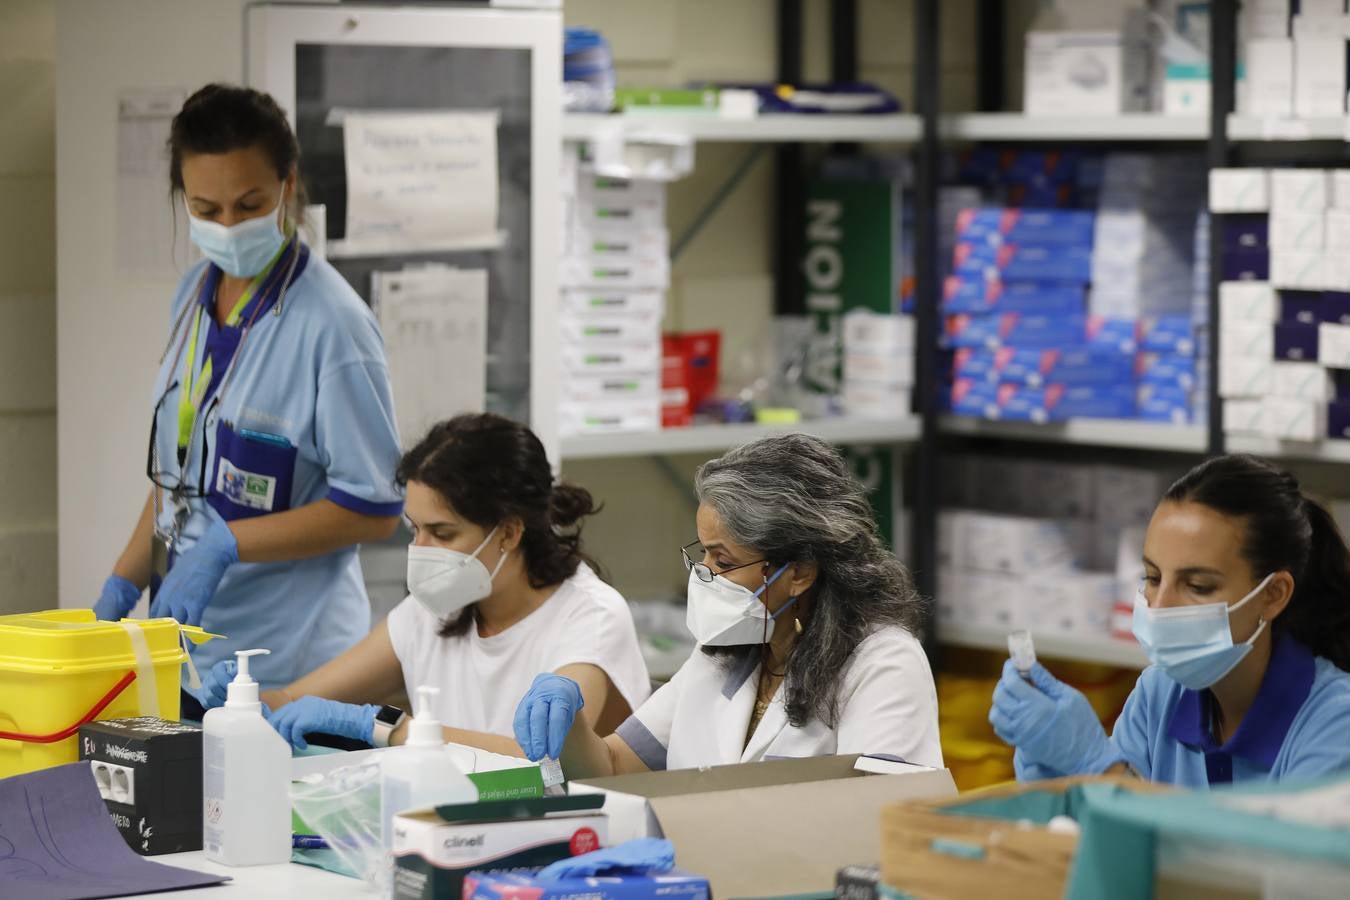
[(27, 306)]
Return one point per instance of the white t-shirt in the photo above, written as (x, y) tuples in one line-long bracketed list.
[(887, 705), (483, 680)]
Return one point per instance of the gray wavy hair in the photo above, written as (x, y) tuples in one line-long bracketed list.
[(793, 499)]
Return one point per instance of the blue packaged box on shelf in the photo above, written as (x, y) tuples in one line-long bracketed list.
[(1172, 333), (978, 399), (1121, 334), (1336, 308), (520, 885), (992, 165), (1246, 232), (1158, 403), (973, 364), (1041, 195), (1303, 307), (1014, 330), (1246, 265), (975, 294), (1018, 262), (1296, 341), (1067, 365), (1059, 402), (1031, 227), (1164, 370)]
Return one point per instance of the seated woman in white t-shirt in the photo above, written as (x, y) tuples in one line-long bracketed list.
[(500, 592), (806, 625)]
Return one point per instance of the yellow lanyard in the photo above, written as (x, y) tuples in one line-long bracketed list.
[(194, 390)]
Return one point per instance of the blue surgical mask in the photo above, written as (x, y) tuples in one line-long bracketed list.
[(243, 249), (1193, 645)]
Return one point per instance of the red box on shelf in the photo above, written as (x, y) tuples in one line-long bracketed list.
[(689, 373)]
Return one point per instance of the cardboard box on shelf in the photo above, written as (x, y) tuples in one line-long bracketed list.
[(604, 388), (868, 400), (896, 369), (1319, 73), (1246, 337), (1254, 300), (1299, 270), (1338, 231), (1294, 420), (1246, 376), (1303, 381), (865, 331), (1118, 61), (1297, 230), (602, 331), (609, 417), (1245, 417), (1239, 190), (699, 354), (1338, 425), (614, 301), (1270, 77), (1299, 190), (825, 809), (1295, 342), (1333, 345), (1340, 189)]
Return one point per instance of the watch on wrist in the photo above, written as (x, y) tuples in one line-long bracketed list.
[(387, 719)]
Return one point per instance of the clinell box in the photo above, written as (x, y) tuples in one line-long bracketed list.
[(1038, 227), (435, 849), (61, 669), (603, 331), (614, 301), (976, 294), (821, 814), (149, 773), (1338, 420), (1302, 307)]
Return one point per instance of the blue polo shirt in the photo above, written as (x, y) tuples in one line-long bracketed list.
[(1298, 726)]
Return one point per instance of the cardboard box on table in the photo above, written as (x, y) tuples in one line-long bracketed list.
[(768, 828), (965, 847)]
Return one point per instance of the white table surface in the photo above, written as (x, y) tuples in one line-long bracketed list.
[(284, 882)]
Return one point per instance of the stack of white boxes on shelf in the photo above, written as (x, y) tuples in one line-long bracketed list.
[(1041, 550), (1283, 339), (1295, 65), (1143, 268), (615, 272), (878, 364)]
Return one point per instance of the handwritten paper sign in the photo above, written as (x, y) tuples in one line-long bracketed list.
[(421, 181), (435, 335)]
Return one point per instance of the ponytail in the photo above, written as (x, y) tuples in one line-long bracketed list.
[(1319, 614), (1284, 532)]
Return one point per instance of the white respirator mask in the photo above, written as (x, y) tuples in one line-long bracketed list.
[(723, 613), (446, 581)]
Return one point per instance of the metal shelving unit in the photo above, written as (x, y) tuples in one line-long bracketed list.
[(1319, 451), (1013, 126), (1247, 128), (1122, 433), (1105, 650), (716, 438), (898, 128)]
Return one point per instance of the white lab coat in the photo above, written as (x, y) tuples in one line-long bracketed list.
[(887, 706)]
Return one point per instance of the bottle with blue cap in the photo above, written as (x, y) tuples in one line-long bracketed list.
[(246, 779)]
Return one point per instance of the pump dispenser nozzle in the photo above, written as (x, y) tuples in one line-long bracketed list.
[(243, 690), (425, 730)]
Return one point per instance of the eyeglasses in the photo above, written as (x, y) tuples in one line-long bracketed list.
[(173, 482), (702, 570)]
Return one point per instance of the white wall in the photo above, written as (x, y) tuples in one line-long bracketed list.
[(112, 327), (27, 307)]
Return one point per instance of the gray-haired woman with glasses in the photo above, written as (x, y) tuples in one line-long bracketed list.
[(806, 627)]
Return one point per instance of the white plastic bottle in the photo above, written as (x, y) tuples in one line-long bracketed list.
[(246, 780), (422, 772)]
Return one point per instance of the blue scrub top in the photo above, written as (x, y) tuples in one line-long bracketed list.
[(308, 415), (1298, 726)]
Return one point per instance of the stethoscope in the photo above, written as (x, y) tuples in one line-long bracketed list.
[(178, 337)]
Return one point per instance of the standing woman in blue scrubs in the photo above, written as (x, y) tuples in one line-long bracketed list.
[(1245, 614), (272, 446)]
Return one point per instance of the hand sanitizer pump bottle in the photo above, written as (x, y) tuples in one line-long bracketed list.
[(246, 780)]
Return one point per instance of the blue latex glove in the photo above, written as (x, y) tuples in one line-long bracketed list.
[(194, 577), (315, 715), (1030, 771), (1052, 725), (545, 715), (216, 684), (647, 856), (117, 599)]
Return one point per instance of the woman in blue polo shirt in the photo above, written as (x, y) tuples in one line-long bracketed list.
[(272, 444), (1245, 614)]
